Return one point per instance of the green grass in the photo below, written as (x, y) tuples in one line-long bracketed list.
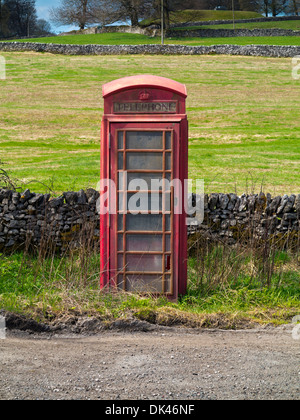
[(98, 39), (45, 289), (286, 24), (238, 40), (135, 39), (184, 16), (243, 130)]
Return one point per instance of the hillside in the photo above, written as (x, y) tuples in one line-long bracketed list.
[(184, 16)]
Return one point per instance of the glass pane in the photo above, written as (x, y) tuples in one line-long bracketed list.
[(168, 223), (168, 161), (144, 160), (120, 243), (121, 181), (120, 140), (120, 161), (120, 282), (168, 284), (144, 140), (144, 284), (155, 202), (144, 263), (168, 243), (167, 202), (138, 184), (168, 140), (120, 262), (120, 222), (144, 222), (138, 202), (144, 243), (146, 177), (121, 202)]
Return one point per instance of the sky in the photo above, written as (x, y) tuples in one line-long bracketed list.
[(43, 6)]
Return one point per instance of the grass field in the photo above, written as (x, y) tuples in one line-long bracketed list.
[(285, 24), (135, 39), (243, 115), (183, 16)]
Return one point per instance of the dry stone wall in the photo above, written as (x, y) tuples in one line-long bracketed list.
[(254, 217), (225, 33), (154, 30), (154, 49), (224, 22), (34, 220), (38, 220)]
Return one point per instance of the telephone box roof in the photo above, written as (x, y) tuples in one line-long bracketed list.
[(144, 81)]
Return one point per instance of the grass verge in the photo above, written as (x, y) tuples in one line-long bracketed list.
[(229, 287)]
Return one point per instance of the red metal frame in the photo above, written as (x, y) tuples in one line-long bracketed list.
[(139, 90)]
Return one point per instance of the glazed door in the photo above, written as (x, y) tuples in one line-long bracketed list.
[(143, 164)]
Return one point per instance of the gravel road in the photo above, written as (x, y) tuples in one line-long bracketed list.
[(163, 364)]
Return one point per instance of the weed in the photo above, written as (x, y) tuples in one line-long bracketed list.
[(228, 286)]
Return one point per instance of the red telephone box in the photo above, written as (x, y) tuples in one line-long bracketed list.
[(144, 162)]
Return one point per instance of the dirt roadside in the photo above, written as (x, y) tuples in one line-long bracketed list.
[(163, 363)]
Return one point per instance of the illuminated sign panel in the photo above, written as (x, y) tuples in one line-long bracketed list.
[(145, 107)]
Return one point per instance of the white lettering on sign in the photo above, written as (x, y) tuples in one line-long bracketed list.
[(145, 108)]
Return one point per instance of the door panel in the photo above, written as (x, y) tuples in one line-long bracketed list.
[(145, 233), (144, 140), (144, 161)]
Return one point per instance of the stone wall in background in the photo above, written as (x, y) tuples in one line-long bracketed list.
[(154, 30), (227, 22), (154, 49), (225, 33), (71, 220)]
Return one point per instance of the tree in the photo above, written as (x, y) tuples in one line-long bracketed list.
[(294, 7), (278, 6), (104, 12), (249, 5), (265, 7), (178, 5), (18, 18), (75, 12), (129, 10), (169, 6), (4, 18), (22, 17), (274, 7), (42, 28)]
